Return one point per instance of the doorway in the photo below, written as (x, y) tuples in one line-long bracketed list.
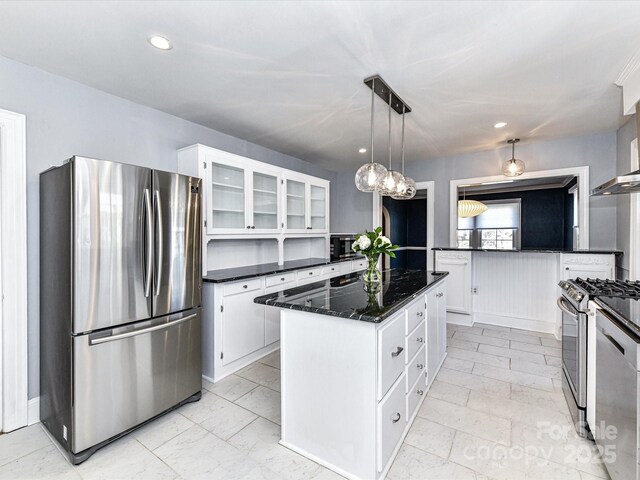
[(13, 272), (404, 222)]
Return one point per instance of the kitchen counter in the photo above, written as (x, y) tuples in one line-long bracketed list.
[(240, 273), (345, 296), (531, 250)]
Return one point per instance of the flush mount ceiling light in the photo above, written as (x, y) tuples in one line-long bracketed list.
[(362, 150), (513, 167), (386, 181), (161, 43), (500, 125), (470, 208)]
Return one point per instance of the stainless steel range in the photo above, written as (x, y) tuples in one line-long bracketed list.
[(574, 305)]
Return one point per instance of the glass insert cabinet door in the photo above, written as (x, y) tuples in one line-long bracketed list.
[(265, 201), (296, 205), (228, 197), (318, 208)]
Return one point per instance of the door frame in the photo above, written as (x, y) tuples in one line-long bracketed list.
[(582, 173), (429, 186), (13, 272), (634, 213)]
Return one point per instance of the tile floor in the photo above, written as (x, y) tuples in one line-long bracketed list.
[(495, 411)]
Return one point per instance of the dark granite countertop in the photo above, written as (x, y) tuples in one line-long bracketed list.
[(625, 310), (241, 273), (531, 250), (345, 296)]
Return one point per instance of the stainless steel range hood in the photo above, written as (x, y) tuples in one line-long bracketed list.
[(629, 183)]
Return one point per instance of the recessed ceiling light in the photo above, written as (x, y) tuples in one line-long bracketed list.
[(500, 125), (362, 150), (160, 43)]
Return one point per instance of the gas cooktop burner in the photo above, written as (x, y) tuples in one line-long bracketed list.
[(609, 288)]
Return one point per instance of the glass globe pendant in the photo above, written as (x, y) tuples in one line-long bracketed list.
[(406, 189), (393, 182), (513, 167), (370, 174)]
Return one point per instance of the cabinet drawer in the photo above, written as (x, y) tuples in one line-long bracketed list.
[(415, 394), (416, 367), (359, 264), (414, 341), (246, 286), (336, 269), (391, 341), (280, 279), (310, 273), (392, 413), (415, 315)]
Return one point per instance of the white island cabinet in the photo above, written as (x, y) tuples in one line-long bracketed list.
[(352, 387)]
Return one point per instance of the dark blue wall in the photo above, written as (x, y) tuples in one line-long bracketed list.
[(542, 216), (408, 219)]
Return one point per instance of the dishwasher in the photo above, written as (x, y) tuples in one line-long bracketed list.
[(616, 432)]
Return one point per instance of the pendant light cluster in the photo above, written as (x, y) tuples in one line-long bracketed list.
[(373, 177)]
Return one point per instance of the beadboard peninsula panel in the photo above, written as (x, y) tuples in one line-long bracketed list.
[(516, 290)]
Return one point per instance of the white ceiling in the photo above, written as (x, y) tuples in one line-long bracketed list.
[(288, 75)]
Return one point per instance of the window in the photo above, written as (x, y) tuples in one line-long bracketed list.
[(495, 229)]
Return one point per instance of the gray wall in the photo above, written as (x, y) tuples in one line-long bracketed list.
[(351, 209), (598, 151), (625, 135), (65, 118)]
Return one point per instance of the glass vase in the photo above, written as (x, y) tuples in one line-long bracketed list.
[(372, 274)]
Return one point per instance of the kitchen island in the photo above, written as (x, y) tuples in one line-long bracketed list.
[(356, 365)]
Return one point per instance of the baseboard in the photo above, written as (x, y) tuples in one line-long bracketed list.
[(459, 319), (33, 411), (514, 322)]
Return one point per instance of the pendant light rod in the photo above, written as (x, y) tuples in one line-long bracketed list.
[(513, 142), (386, 93), (403, 107), (389, 130), (372, 103)]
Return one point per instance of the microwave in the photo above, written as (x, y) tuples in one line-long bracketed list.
[(340, 245)]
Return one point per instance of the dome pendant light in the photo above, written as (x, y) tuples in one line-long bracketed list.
[(470, 208), (407, 188), (513, 167), (389, 183), (370, 174)]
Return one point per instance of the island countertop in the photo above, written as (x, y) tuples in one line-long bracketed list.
[(529, 250), (346, 296)]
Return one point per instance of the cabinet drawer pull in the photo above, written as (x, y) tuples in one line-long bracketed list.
[(310, 273), (245, 286), (420, 392), (419, 340), (397, 352), (420, 314), (282, 279), (396, 418), (248, 226), (420, 366)]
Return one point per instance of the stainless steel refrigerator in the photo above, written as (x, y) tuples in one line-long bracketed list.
[(120, 290)]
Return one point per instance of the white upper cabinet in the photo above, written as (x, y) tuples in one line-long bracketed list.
[(306, 204), (244, 196)]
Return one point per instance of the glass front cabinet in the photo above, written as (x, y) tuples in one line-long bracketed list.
[(306, 204), (242, 196), (245, 196)]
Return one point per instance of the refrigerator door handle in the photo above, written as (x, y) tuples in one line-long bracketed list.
[(140, 331), (160, 252), (149, 246)]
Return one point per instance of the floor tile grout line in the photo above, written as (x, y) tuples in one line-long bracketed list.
[(154, 454)]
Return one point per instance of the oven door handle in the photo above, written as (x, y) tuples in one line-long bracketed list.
[(562, 304)]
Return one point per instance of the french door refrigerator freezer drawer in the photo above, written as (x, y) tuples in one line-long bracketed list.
[(137, 372)]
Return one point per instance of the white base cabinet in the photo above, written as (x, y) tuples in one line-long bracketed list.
[(236, 331), (351, 389)]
